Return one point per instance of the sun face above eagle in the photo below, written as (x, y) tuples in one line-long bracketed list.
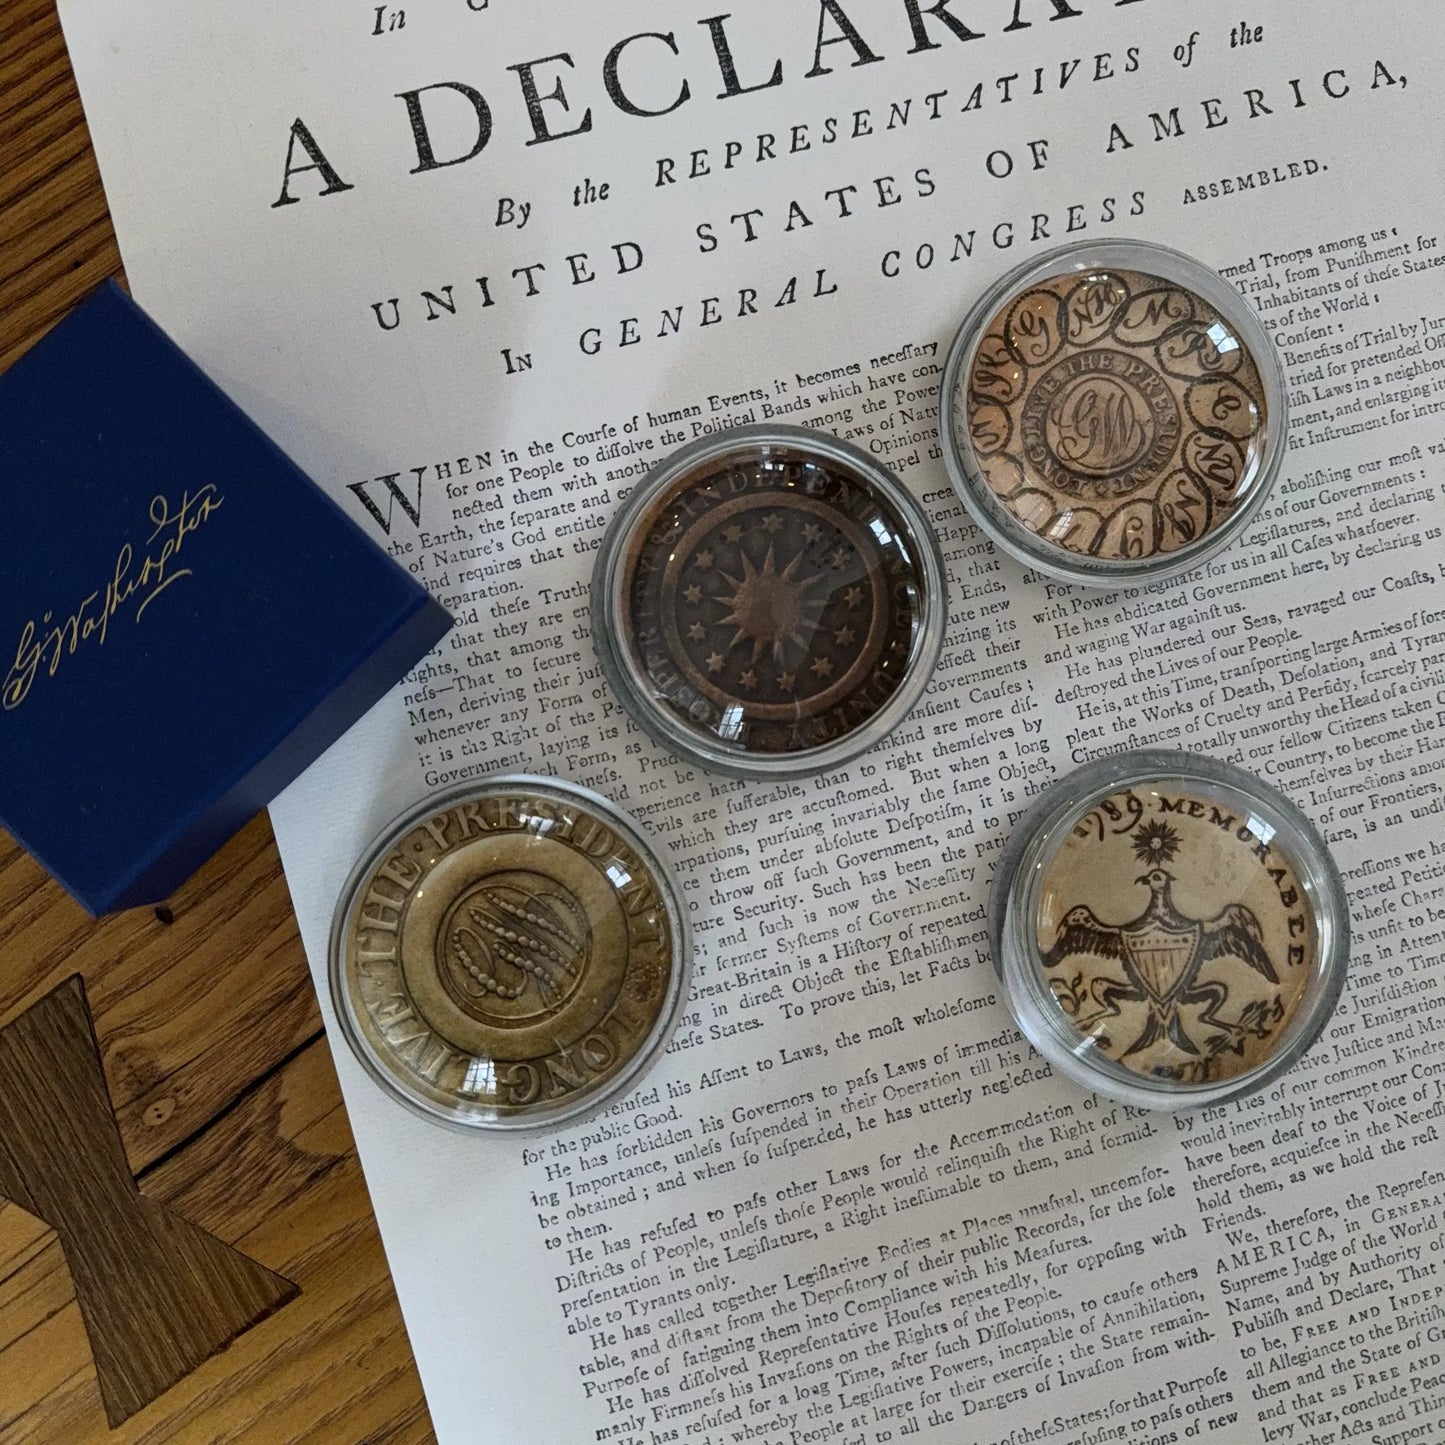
[(1156, 843), (1173, 936)]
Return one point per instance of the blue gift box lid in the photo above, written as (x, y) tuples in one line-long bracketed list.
[(186, 620)]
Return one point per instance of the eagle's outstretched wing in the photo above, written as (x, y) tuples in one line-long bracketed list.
[(1081, 932), (1235, 933)]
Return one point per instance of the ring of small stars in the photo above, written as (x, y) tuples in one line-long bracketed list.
[(773, 600)]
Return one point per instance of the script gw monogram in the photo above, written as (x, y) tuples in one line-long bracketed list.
[(129, 585)]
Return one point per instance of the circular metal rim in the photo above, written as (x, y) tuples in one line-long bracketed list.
[(1013, 901), (1000, 525), (669, 1016), (660, 724)]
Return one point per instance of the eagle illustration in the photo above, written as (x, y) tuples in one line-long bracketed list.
[(1162, 952)]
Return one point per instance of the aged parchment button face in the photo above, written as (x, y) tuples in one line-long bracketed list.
[(1112, 421), (771, 603), (510, 955), (1175, 934), (1169, 930)]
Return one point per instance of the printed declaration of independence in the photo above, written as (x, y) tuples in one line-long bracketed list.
[(845, 1090)]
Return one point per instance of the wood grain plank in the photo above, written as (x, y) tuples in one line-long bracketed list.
[(56, 240), (158, 1295), (189, 1013), (278, 1177)]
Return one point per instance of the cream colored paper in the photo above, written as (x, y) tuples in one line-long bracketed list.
[(849, 1205)]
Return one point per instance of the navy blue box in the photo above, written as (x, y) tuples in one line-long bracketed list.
[(186, 621)]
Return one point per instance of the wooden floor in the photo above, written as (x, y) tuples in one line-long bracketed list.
[(212, 1043)]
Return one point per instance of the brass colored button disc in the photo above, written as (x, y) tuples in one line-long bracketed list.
[(509, 955)]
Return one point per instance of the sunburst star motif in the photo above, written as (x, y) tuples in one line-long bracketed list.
[(771, 609), (1155, 843)]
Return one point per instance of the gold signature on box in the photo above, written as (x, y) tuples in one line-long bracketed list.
[(132, 584)]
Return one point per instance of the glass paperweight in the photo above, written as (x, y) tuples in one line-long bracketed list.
[(509, 954), (1169, 930), (769, 602), (1113, 413)]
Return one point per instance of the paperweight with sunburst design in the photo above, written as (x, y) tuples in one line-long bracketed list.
[(769, 602), (1169, 929)]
